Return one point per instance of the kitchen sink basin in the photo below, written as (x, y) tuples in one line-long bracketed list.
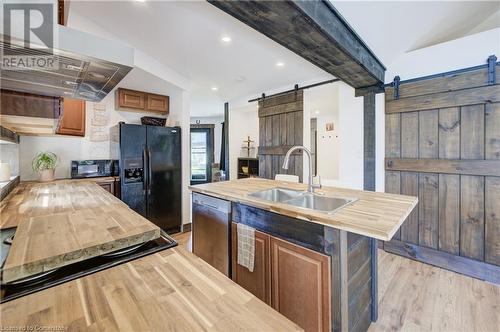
[(320, 203), (303, 199), (279, 195)]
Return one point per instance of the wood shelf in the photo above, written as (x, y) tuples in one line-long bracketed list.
[(251, 163)]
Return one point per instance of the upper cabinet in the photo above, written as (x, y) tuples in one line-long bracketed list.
[(130, 99), (157, 103), (29, 114), (72, 120), (143, 101)]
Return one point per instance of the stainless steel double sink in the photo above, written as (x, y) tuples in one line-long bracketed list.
[(304, 199)]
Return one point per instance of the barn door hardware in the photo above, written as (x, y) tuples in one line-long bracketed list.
[(395, 85), (492, 60), (296, 88)]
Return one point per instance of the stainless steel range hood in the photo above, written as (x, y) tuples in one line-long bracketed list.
[(89, 67)]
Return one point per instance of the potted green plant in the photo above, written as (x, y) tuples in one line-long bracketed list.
[(45, 164)]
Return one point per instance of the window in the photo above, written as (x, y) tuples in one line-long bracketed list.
[(201, 155)]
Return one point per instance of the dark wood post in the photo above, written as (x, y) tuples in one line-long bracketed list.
[(226, 139), (369, 141)]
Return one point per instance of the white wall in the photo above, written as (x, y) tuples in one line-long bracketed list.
[(243, 122), (460, 53), (9, 153), (217, 121), (340, 152), (323, 99), (70, 148), (182, 117), (95, 144), (351, 138)]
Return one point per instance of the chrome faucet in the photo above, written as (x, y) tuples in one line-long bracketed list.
[(311, 186)]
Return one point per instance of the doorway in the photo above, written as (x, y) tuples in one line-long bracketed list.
[(202, 153)]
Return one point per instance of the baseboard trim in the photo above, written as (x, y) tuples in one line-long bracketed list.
[(186, 228), (462, 265)]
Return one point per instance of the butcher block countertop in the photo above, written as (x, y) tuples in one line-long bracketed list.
[(374, 214), (172, 290), (66, 221)]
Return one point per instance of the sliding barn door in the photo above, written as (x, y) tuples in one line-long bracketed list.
[(280, 127), (443, 145)]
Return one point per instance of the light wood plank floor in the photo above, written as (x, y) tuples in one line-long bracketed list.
[(418, 297)]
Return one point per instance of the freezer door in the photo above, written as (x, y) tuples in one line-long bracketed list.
[(132, 156), (164, 173)]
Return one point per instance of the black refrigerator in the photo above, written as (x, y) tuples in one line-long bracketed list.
[(150, 172)]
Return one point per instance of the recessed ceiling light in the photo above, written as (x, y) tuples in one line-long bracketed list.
[(316, 112), (140, 0), (214, 88), (280, 64), (226, 39)]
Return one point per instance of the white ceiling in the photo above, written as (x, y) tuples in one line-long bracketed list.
[(186, 35), (392, 28)]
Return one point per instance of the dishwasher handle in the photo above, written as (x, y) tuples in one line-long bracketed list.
[(212, 203)]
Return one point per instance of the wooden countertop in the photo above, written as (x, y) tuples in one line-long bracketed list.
[(66, 221), (102, 179), (171, 290), (374, 214)]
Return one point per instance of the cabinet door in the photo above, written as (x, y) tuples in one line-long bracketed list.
[(157, 103), (29, 105), (117, 185), (108, 186), (301, 285), (131, 99), (72, 121), (257, 282)]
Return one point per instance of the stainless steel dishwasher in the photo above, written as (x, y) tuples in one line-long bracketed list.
[(212, 231)]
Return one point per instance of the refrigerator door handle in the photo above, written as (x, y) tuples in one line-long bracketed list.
[(150, 171), (144, 163)]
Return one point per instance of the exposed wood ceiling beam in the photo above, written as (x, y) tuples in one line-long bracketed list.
[(315, 31)]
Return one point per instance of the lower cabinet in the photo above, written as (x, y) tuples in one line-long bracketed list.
[(301, 285), (108, 186), (292, 279), (112, 186), (257, 282)]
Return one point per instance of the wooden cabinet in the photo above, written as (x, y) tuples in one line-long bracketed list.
[(29, 105), (72, 121), (292, 279), (30, 114), (143, 101), (301, 285), (157, 103), (131, 99), (257, 282), (110, 184)]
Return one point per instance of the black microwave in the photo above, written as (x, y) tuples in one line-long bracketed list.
[(93, 168)]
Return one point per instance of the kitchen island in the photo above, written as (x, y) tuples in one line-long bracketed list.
[(66, 221), (319, 269), (171, 290), (76, 221)]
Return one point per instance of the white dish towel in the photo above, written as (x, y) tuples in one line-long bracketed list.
[(246, 246)]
